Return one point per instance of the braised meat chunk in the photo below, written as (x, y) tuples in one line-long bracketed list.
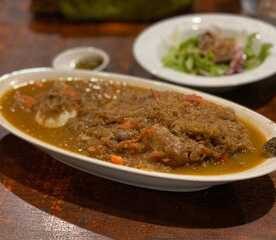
[(173, 150)]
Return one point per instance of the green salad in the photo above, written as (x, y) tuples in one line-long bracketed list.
[(214, 54)]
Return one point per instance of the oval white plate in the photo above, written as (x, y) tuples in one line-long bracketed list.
[(67, 59), (151, 45), (127, 175)]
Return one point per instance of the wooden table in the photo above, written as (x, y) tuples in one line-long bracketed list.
[(41, 198)]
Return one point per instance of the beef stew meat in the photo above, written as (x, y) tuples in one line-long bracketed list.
[(133, 126)]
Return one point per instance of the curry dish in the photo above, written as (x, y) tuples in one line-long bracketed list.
[(142, 128)]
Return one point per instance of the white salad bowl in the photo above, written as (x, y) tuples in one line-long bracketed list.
[(127, 175), (155, 41)]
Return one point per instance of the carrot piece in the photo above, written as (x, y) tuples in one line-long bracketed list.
[(70, 91), (39, 84), (193, 98), (25, 100), (156, 95), (28, 101), (225, 157), (117, 160)]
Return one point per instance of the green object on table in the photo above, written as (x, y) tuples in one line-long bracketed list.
[(187, 57), (253, 58), (124, 10)]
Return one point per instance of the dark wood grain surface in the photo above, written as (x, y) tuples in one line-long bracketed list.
[(41, 198)]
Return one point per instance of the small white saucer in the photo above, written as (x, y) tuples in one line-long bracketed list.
[(67, 59)]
